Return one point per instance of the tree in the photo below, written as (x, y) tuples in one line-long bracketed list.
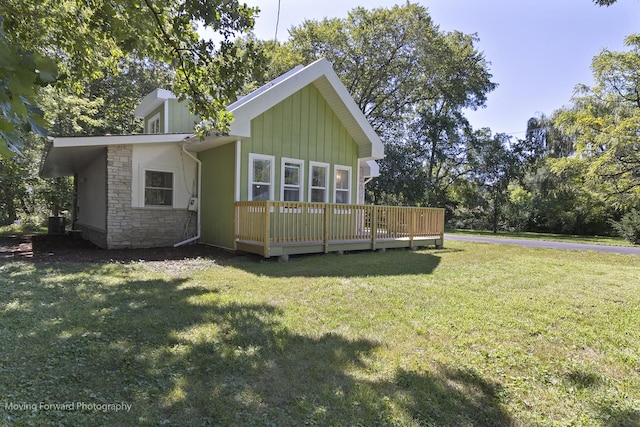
[(412, 82), (70, 41), (603, 123), (99, 106), (494, 163)]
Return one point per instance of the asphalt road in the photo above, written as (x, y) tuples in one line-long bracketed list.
[(625, 250)]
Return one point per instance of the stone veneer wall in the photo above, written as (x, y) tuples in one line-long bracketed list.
[(95, 236), (129, 227)]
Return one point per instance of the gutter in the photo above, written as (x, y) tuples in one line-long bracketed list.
[(198, 214)]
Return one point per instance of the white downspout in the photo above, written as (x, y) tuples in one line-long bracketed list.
[(198, 214)]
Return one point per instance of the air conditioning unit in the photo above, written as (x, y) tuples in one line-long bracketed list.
[(193, 204)]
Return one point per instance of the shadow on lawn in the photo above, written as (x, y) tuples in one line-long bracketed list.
[(396, 262), (182, 354)]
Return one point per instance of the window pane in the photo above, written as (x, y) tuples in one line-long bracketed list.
[(260, 192), (342, 197), (158, 197), (318, 176), (342, 179), (261, 170), (291, 195), (317, 195), (291, 174), (158, 179)]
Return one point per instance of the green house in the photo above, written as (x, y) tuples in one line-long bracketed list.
[(289, 177)]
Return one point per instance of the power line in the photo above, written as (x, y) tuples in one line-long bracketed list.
[(275, 38)]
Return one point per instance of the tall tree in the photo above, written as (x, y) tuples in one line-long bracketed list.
[(403, 72), (603, 122), (66, 41), (495, 162)]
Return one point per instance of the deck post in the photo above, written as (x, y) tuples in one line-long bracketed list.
[(412, 222), (267, 229), (441, 215), (374, 227), (327, 224)]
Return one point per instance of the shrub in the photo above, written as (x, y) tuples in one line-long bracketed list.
[(629, 226)]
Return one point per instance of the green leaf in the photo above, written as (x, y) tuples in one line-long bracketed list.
[(5, 152), (36, 127), (46, 68)]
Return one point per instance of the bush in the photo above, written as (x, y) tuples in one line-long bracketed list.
[(629, 226)]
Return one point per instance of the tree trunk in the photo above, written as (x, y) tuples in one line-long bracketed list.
[(495, 214)]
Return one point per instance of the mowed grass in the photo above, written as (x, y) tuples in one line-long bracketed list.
[(469, 335)]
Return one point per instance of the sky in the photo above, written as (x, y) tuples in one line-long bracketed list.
[(538, 50)]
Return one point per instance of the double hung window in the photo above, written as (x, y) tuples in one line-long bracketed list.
[(158, 188), (292, 175), (318, 182), (261, 173)]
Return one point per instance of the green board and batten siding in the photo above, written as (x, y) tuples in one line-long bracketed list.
[(180, 119), (217, 202), (303, 127)]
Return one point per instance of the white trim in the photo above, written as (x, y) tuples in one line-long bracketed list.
[(252, 158), (359, 193), (151, 121), (301, 176), (166, 116), (238, 166), (323, 77), (349, 170), (313, 164), (152, 101), (143, 182), (96, 141)]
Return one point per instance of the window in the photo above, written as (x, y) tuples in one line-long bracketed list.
[(154, 124), (342, 184), (261, 172), (318, 182), (292, 173), (158, 188)]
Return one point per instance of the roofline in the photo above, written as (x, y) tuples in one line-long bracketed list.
[(321, 74), (104, 140), (152, 101)]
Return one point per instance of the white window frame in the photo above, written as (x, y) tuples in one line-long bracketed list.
[(253, 157), (326, 183), (284, 186), (144, 187), (348, 169), (153, 125)]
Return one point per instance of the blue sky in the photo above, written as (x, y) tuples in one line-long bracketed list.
[(539, 50)]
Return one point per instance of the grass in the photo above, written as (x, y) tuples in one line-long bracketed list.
[(593, 240), (470, 335), (19, 229)]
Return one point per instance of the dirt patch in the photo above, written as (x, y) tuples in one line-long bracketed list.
[(65, 248)]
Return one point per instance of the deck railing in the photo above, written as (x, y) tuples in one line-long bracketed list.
[(297, 223)]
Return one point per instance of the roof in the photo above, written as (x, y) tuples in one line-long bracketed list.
[(319, 73), (153, 101), (67, 155)]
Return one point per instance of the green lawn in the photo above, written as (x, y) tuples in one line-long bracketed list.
[(592, 240), (470, 335)]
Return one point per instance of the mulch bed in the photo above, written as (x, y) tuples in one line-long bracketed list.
[(65, 248)]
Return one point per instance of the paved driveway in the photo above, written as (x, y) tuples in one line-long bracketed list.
[(626, 250)]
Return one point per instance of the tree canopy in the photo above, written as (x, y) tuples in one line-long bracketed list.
[(603, 124), (410, 79), (70, 41)]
